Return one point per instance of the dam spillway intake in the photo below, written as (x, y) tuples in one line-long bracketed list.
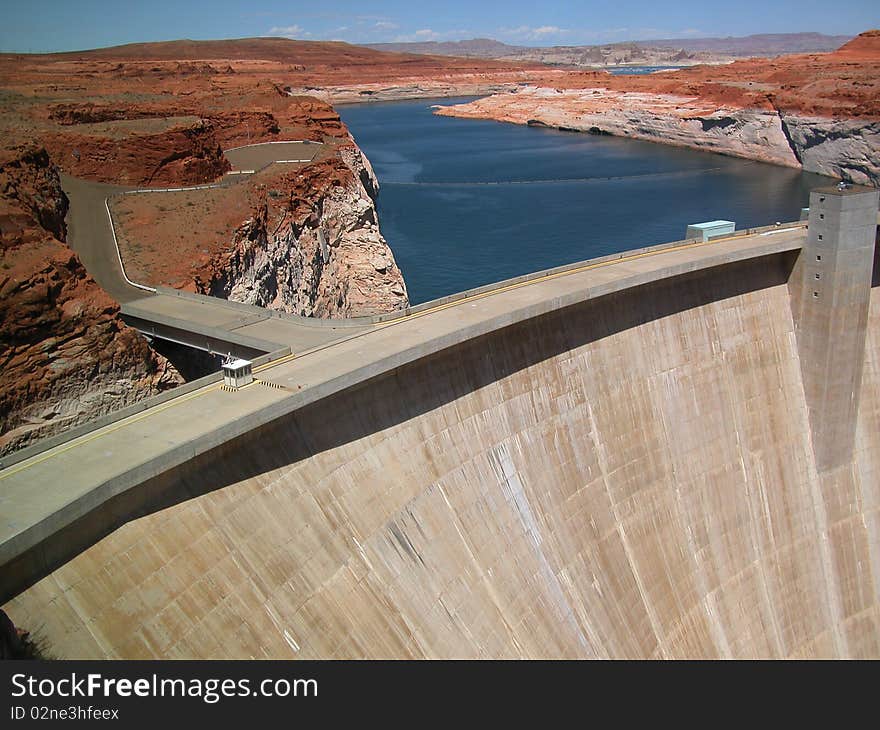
[(831, 289), (627, 459)]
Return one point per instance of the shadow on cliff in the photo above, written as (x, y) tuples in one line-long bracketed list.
[(875, 274), (398, 397)]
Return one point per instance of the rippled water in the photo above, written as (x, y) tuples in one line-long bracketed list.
[(469, 202)]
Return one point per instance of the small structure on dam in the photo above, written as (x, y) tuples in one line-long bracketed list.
[(237, 372), (710, 229)]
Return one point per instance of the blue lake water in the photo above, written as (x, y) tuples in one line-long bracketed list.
[(639, 70), (469, 202)]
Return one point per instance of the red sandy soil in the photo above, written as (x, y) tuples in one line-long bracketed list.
[(843, 84), (181, 239), (237, 89), (218, 94)]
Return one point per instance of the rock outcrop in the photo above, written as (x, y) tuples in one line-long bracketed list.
[(676, 120), (844, 148), (67, 357), (140, 151), (320, 254)]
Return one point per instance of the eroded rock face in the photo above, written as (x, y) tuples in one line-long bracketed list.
[(848, 149), (671, 119), (322, 255), (844, 148), (66, 355), (30, 191), (188, 153)]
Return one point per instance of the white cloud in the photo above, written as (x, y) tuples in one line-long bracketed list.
[(549, 30), (289, 31), (385, 25), (427, 34), (528, 32)]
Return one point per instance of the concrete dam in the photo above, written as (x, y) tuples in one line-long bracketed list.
[(670, 453)]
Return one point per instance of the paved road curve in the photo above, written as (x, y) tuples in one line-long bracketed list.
[(204, 322)]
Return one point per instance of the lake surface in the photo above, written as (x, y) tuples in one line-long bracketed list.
[(639, 70), (469, 202)]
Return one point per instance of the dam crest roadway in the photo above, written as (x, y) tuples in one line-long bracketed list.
[(66, 508)]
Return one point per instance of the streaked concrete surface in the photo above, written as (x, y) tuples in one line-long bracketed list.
[(613, 462), (307, 379)]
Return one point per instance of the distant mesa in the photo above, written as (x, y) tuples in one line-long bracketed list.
[(763, 44), (865, 45)]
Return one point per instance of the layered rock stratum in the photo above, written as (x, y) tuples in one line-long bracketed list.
[(67, 357), (321, 254)]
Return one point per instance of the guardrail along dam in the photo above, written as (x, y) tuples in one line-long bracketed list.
[(668, 453)]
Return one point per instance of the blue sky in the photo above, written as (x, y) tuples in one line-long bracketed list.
[(60, 25)]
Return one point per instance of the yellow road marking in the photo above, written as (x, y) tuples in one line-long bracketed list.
[(378, 325), (273, 363), (82, 440)]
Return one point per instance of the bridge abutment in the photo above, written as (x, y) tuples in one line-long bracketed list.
[(830, 292)]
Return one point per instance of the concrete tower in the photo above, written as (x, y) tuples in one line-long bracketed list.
[(830, 289)]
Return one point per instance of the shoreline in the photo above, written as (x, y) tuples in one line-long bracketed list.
[(846, 149)]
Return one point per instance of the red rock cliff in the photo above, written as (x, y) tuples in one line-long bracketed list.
[(66, 355)]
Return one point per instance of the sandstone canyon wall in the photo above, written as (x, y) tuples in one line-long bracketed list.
[(66, 355), (820, 112), (321, 254), (843, 148)]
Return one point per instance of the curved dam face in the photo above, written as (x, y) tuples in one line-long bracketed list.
[(629, 477)]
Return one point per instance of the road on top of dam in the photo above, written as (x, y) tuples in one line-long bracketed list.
[(47, 492), (91, 235)]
